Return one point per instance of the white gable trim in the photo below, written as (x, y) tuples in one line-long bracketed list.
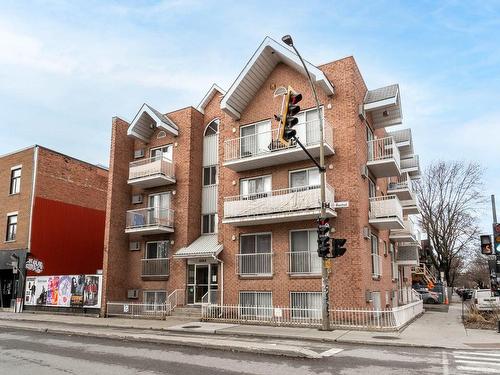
[(139, 130), (208, 96), (258, 68)]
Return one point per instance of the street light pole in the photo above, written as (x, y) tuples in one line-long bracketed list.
[(325, 308)]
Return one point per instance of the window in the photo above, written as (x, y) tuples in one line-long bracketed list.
[(255, 256), (210, 175), (212, 128), (157, 249), (306, 305), (165, 151), (376, 260), (306, 177), (153, 298), (256, 138), (394, 265), (257, 187), (209, 224), (372, 188), (15, 181), (308, 126), (256, 304), (161, 200), (11, 227), (303, 256)]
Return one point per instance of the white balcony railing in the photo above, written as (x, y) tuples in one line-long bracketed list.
[(276, 201), (268, 142), (149, 217), (383, 149), (256, 264), (400, 136), (410, 163), (385, 206), (155, 267), (304, 262), (402, 182), (148, 167)]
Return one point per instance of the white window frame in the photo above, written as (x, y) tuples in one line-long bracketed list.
[(156, 242), (258, 148), (305, 312), (171, 145), (240, 254), (161, 193), (216, 121), (215, 227), (313, 251), (15, 188), (154, 306), (394, 265), (256, 311), (370, 184), (212, 183), (7, 237), (376, 259), (307, 170), (256, 195)]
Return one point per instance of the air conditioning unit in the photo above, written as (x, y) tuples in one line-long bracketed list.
[(367, 232), (364, 171), (139, 153), (134, 246), (137, 199), (133, 293)]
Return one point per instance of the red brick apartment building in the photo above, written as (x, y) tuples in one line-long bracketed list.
[(204, 205), (52, 208)]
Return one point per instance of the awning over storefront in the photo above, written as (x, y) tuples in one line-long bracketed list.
[(205, 246), (6, 261)]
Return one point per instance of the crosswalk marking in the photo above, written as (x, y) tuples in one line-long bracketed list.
[(330, 352), (477, 362)]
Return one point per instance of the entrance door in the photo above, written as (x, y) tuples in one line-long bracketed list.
[(202, 278)]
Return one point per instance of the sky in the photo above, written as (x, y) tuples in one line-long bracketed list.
[(68, 67)]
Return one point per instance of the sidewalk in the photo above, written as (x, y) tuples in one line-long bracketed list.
[(432, 330)]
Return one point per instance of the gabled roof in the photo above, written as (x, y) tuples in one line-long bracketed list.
[(146, 120), (209, 95), (269, 54)]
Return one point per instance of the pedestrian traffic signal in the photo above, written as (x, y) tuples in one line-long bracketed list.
[(496, 238), (323, 237), (338, 247), (287, 118), (486, 245)]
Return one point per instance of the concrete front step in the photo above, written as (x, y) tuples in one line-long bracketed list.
[(188, 311)]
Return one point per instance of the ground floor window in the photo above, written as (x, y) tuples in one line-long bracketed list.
[(256, 304), (154, 298), (306, 304)]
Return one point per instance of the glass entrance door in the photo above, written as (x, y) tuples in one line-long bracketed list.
[(202, 278)]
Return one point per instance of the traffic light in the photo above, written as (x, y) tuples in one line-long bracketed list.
[(338, 247), (486, 245), (287, 118), (323, 237), (496, 238)]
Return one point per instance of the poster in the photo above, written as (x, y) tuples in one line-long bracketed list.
[(64, 291)]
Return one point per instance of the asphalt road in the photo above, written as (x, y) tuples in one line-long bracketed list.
[(29, 352)]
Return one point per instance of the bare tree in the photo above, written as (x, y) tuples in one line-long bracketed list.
[(450, 199)]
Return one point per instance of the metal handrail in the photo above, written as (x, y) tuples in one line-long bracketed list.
[(150, 216), (151, 166)]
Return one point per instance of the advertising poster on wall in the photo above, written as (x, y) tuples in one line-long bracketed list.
[(64, 291)]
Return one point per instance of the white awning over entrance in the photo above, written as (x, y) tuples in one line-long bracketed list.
[(205, 246)]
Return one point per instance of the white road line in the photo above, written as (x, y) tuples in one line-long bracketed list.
[(330, 352), (476, 362), (482, 370), (445, 362), (485, 359), (483, 354)]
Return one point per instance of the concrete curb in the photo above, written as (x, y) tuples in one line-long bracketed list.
[(228, 345)]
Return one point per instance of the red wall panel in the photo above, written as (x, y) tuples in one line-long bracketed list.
[(68, 239)]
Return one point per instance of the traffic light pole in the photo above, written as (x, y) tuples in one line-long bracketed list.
[(325, 308)]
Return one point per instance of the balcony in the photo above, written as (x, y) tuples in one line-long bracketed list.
[(407, 254), (386, 212), (264, 149), (383, 157), (411, 165), (407, 234), (403, 140), (150, 220), (255, 264), (401, 187), (155, 268), (410, 207), (304, 263), (277, 206), (151, 172)]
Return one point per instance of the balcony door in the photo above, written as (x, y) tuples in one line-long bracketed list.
[(258, 187), (165, 151), (255, 138), (308, 126), (159, 205)]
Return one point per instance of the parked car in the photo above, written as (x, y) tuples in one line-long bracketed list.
[(485, 300), (428, 296)]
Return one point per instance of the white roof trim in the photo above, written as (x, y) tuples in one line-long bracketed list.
[(252, 76), (206, 245), (138, 130), (208, 96)]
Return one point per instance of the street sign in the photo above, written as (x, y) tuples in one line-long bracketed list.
[(344, 204)]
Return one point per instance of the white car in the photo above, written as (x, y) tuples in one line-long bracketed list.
[(485, 300)]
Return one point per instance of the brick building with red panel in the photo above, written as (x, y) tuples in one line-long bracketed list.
[(205, 205), (53, 211)]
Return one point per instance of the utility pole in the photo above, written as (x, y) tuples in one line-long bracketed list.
[(325, 308), (493, 208)]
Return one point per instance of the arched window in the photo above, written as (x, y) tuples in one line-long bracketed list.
[(161, 134), (213, 127)]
